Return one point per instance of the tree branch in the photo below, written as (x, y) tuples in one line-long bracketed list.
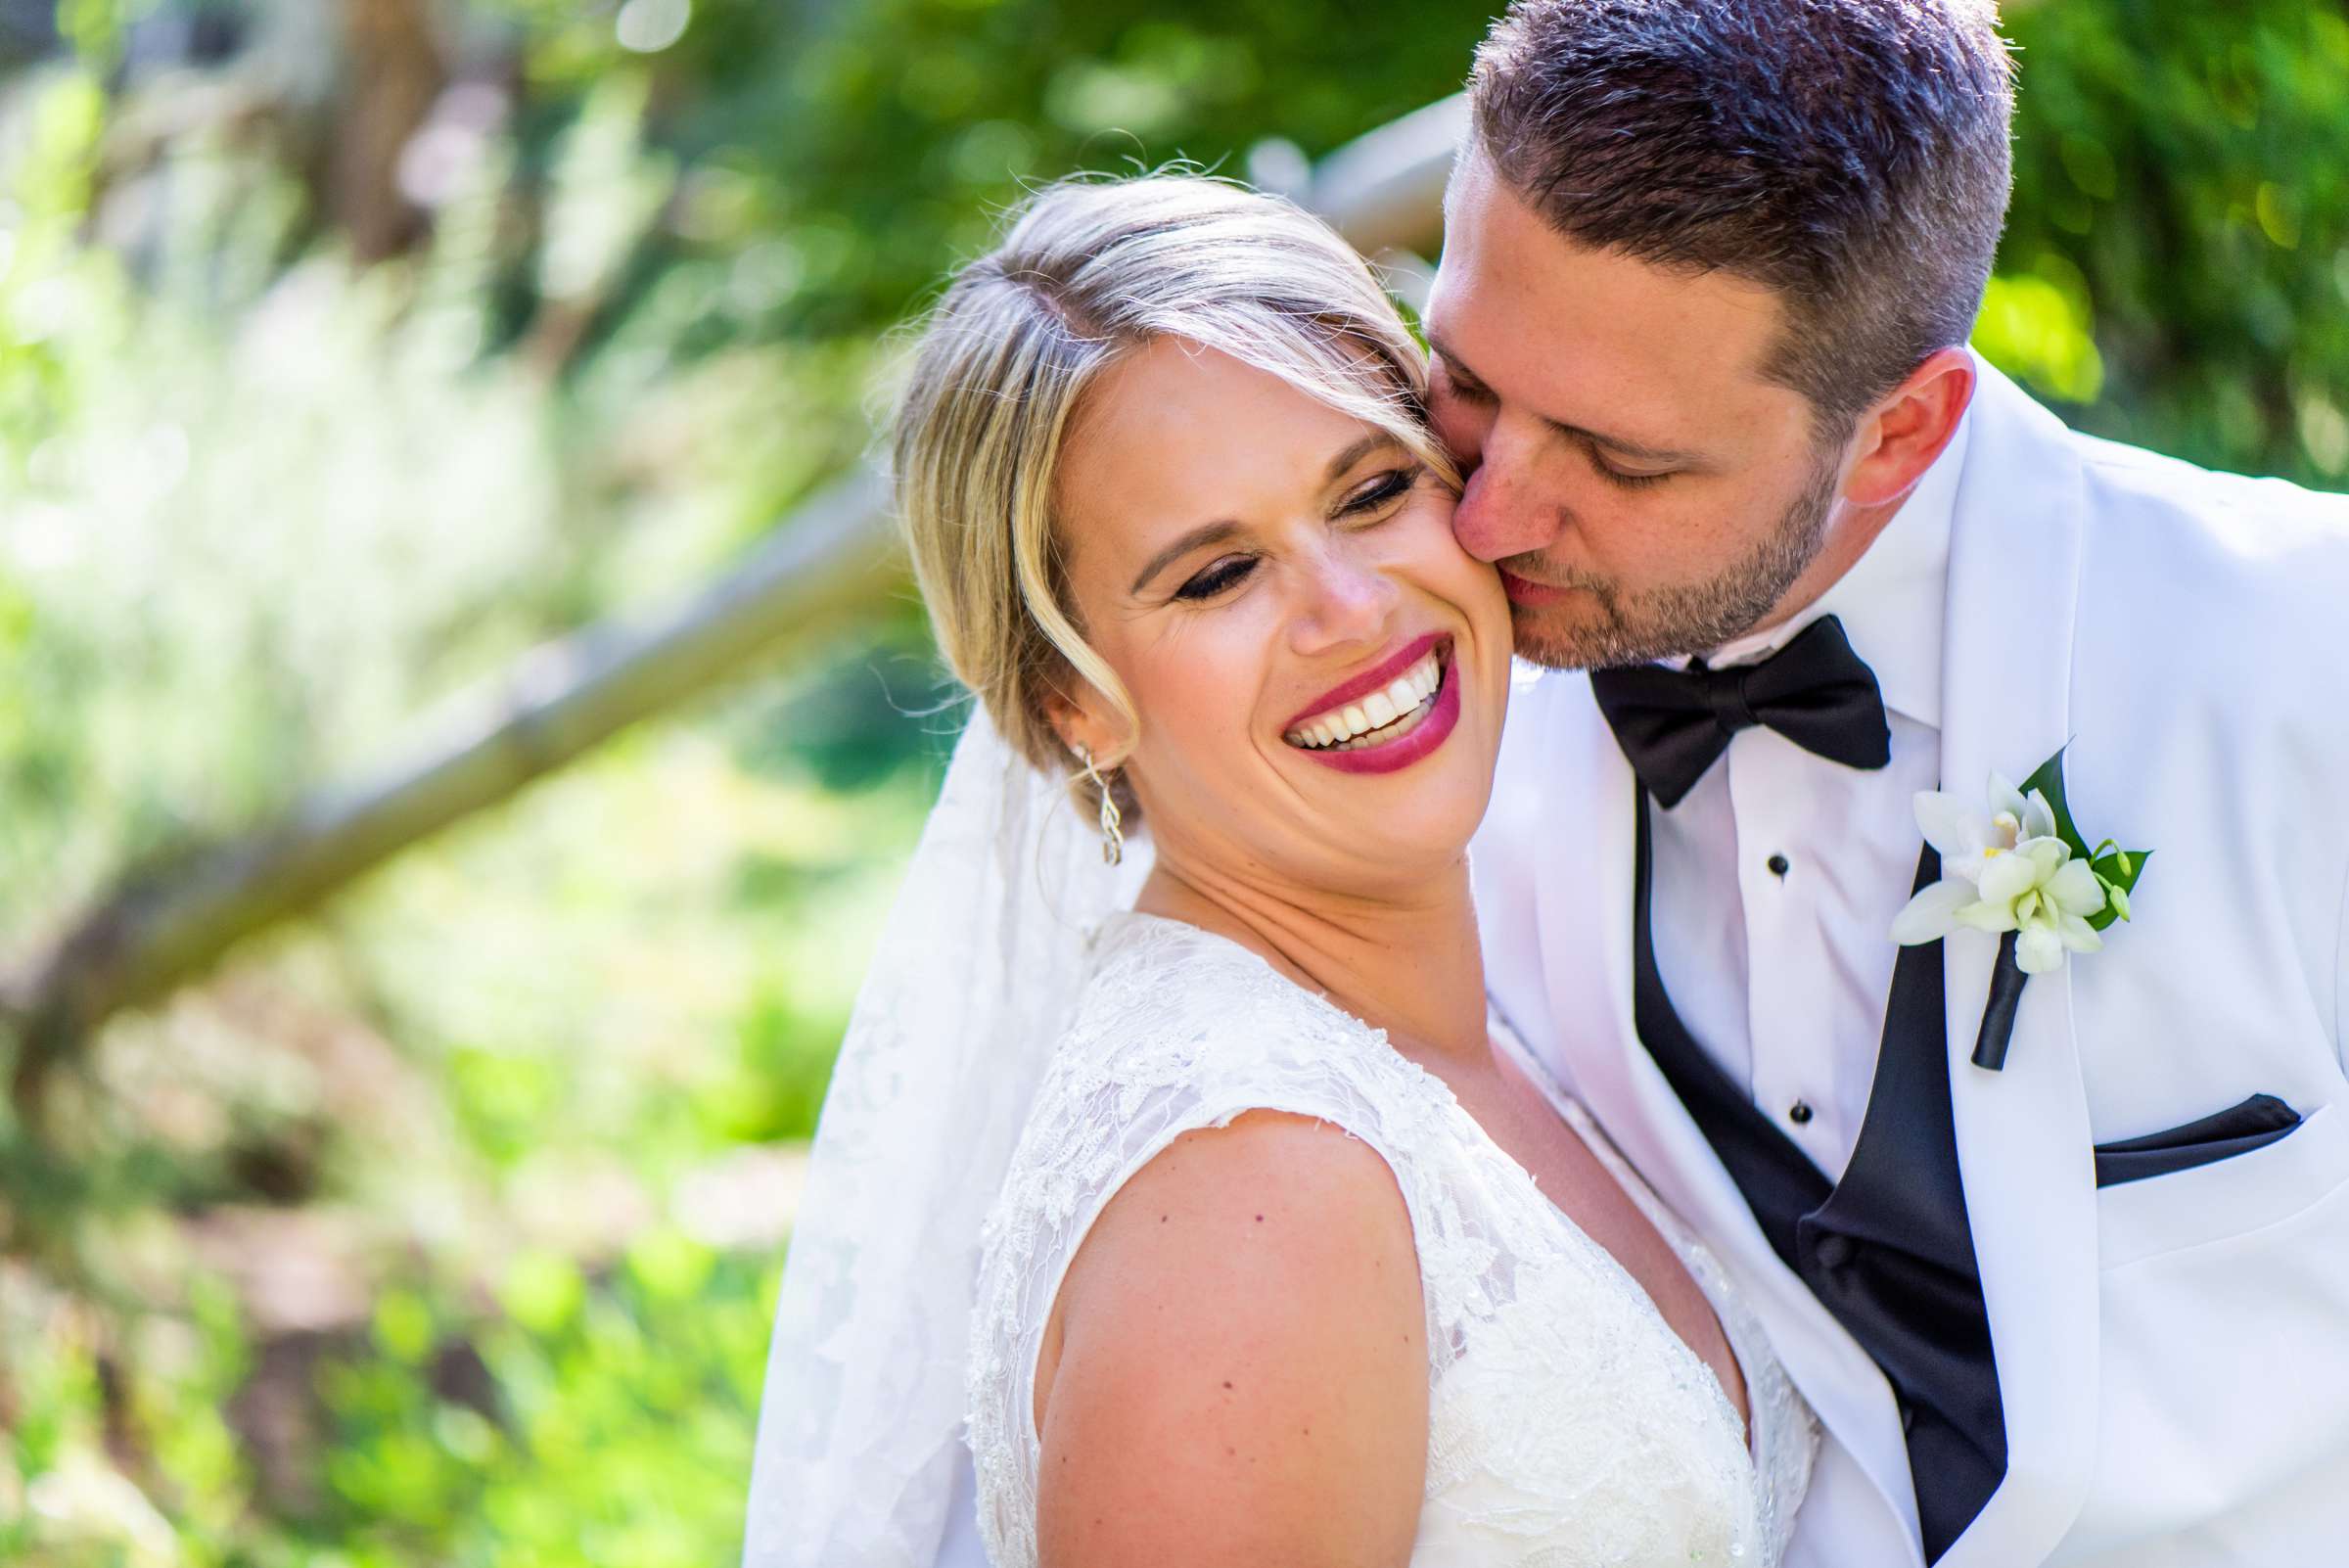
[(824, 566)]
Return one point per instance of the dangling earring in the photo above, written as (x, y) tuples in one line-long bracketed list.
[(1112, 839)]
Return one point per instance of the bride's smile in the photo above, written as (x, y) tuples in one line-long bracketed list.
[(1360, 728), (1276, 586)]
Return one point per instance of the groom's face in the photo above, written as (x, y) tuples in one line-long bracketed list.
[(1645, 491)]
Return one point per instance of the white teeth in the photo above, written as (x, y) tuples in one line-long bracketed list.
[(1348, 728)]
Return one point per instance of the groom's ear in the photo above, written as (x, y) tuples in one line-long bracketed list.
[(1909, 428)]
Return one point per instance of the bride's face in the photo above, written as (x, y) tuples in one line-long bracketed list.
[(1318, 667)]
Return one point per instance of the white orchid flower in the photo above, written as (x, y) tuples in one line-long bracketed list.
[(1971, 837), (2003, 868)]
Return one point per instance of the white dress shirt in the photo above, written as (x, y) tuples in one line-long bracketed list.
[(1778, 877)]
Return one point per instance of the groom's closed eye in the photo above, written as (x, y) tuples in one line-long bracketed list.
[(1621, 461), (1463, 385), (1626, 479)]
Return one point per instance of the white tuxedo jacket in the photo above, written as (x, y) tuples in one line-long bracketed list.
[(2172, 1353)]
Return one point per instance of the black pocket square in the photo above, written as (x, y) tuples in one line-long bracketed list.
[(2238, 1130)]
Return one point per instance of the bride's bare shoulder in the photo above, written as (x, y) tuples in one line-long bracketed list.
[(1236, 1368)]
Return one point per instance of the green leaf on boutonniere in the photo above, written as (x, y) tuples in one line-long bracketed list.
[(2117, 868), (2047, 780), (2118, 871)]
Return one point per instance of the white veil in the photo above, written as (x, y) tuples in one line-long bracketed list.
[(860, 1428)]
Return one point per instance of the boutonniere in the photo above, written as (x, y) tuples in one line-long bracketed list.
[(2017, 864)]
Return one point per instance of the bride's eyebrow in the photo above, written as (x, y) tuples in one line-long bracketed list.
[(1354, 454), (1198, 539), (1206, 533)]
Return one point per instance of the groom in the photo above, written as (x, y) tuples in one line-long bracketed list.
[(1709, 270)]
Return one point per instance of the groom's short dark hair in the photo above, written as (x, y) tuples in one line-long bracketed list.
[(1850, 155)]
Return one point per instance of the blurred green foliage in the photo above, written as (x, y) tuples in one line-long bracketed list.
[(444, 1227), (838, 155), (2177, 254)]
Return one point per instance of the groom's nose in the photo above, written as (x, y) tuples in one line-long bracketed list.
[(1502, 512)]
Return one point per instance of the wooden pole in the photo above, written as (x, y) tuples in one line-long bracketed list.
[(823, 570)]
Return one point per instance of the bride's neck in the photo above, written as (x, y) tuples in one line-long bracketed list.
[(1409, 965)]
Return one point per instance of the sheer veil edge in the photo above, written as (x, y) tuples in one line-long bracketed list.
[(979, 967)]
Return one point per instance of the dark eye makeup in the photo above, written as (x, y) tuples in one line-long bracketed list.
[(1388, 486), (1225, 573), (1379, 493)]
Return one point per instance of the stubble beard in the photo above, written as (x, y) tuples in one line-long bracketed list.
[(1688, 619)]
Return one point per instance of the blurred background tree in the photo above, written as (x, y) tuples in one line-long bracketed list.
[(351, 348)]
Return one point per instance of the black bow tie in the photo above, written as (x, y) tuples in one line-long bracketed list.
[(1673, 724)]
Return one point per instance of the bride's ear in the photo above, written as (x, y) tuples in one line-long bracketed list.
[(1086, 723)]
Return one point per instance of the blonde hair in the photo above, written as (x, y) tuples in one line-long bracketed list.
[(1087, 272)]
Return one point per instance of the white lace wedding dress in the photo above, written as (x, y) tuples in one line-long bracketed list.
[(1568, 1425)]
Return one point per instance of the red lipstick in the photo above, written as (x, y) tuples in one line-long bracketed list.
[(1405, 750), (1376, 679), (1431, 731)]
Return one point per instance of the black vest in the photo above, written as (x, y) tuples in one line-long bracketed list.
[(1887, 1250)]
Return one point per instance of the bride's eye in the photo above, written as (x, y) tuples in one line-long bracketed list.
[(1225, 573), (1386, 488)]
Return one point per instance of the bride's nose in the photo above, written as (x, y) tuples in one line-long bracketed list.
[(1345, 600)]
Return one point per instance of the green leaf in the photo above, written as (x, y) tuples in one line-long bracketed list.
[(2121, 868), (2048, 779)]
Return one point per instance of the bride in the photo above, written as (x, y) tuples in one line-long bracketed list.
[(1233, 1223)]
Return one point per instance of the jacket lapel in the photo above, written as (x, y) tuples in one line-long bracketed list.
[(1585, 936), (2023, 1137)]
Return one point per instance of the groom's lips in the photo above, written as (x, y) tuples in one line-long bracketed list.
[(1523, 590)]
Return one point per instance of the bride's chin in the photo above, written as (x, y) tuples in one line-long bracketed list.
[(1413, 839)]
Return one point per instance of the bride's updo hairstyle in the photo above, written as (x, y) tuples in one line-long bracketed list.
[(1089, 271)]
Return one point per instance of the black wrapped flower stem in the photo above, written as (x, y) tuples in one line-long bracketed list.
[(1998, 1018)]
